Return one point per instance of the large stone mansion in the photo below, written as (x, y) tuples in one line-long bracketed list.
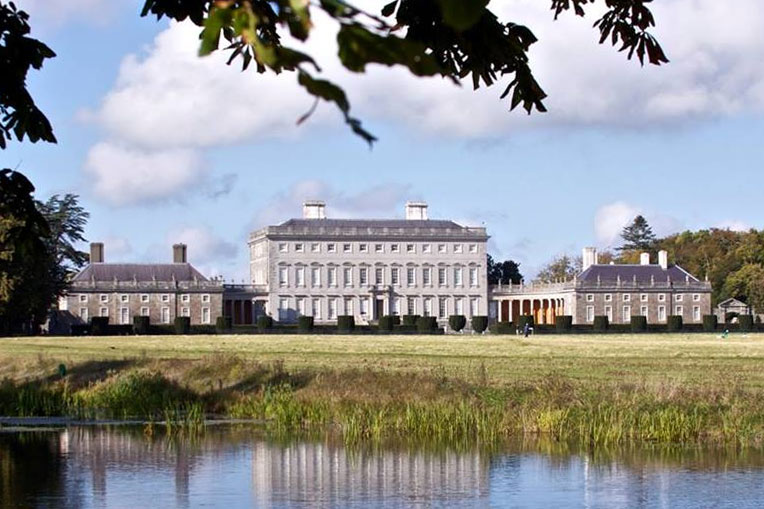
[(324, 268)]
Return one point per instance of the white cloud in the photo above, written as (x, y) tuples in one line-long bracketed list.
[(116, 249), (733, 224), (126, 176), (203, 244), (58, 12), (610, 219)]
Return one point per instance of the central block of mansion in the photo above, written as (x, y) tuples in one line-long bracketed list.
[(368, 268)]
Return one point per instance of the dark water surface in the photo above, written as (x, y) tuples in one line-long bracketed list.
[(239, 467)]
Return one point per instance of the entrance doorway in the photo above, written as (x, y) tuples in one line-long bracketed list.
[(379, 308)]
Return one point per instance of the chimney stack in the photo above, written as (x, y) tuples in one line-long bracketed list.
[(314, 209), (644, 259), (179, 253), (96, 252), (589, 257), (416, 210), (663, 259)]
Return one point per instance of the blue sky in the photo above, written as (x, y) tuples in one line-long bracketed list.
[(163, 146)]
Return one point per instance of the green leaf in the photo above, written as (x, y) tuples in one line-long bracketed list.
[(219, 18), (462, 14)]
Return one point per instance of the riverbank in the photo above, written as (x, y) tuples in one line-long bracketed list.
[(602, 390)]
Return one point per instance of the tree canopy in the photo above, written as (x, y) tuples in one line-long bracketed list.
[(638, 236), (503, 272)]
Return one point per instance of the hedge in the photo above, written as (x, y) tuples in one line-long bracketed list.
[(457, 322), (80, 329), (182, 325), (504, 328), (141, 325), (264, 323), (409, 320), (223, 324), (523, 319), (99, 325), (427, 324), (710, 322), (563, 323), (601, 323), (305, 323), (674, 323), (479, 324), (746, 323), (345, 323), (638, 323), (386, 323)]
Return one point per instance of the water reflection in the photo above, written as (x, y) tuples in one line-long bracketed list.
[(235, 467)]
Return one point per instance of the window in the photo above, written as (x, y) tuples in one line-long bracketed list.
[(185, 311), (347, 276), (185, 298), (473, 276), (144, 311), (315, 276), (410, 276), (609, 313), (205, 315), (459, 303), (411, 305), (678, 297), (331, 248), (410, 248), (283, 276), (364, 306), (427, 276), (696, 313), (332, 309), (427, 306), (145, 298), (379, 248), (103, 297), (394, 248), (347, 248), (696, 297), (626, 314), (315, 247), (83, 298), (283, 247), (441, 276), (589, 313), (283, 308), (661, 313), (589, 298), (300, 306), (441, 248), (349, 306), (316, 309), (300, 276), (363, 276), (458, 276), (394, 276), (458, 248), (124, 316), (332, 276), (103, 311), (397, 306), (124, 298), (678, 310), (626, 297), (426, 248), (474, 306), (643, 297), (661, 297), (165, 315), (84, 314), (298, 248), (473, 248), (363, 248), (442, 307), (643, 311), (608, 297), (165, 298), (379, 274)]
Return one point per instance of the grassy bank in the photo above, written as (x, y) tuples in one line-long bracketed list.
[(601, 390)]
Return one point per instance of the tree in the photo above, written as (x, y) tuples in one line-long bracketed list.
[(561, 268), (503, 272), (638, 236), (455, 39), (747, 284)]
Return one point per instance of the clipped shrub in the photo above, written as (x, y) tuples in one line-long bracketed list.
[(427, 324), (264, 323), (479, 324), (523, 319), (99, 325), (409, 320), (746, 323), (710, 322), (638, 323), (457, 322), (141, 325), (345, 323), (386, 323), (305, 323), (80, 329), (505, 328), (601, 323), (674, 323), (397, 320), (182, 325), (223, 324), (563, 323)]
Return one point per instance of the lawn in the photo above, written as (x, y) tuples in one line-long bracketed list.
[(689, 359)]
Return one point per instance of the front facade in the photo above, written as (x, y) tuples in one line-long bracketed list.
[(619, 292), (122, 291), (325, 268)]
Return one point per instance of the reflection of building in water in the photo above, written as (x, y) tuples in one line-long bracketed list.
[(317, 474)]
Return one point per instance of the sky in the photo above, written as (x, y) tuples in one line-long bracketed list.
[(163, 146)]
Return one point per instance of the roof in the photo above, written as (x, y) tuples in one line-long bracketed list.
[(139, 272), (642, 273), (732, 302), (375, 227), (373, 223)]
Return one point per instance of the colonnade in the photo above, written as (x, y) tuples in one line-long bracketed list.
[(543, 309), (244, 311)]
